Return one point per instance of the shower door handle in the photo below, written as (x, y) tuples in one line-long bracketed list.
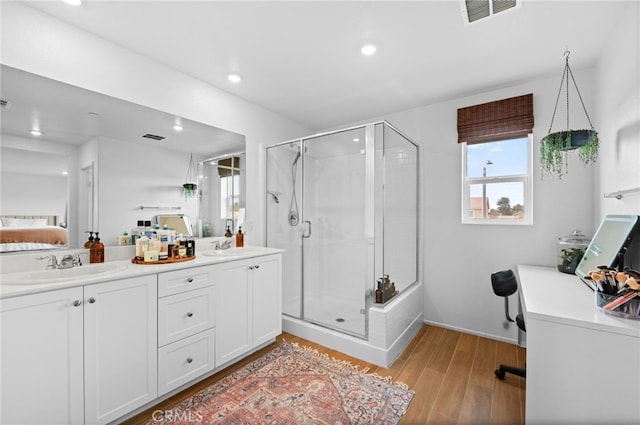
[(307, 231)]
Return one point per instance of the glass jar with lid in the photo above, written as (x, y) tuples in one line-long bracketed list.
[(570, 251)]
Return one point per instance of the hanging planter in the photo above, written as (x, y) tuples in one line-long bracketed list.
[(190, 189), (554, 147)]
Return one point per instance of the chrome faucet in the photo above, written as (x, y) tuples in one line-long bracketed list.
[(52, 263), (69, 261), (224, 245)]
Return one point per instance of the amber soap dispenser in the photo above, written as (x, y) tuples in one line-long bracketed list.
[(96, 251), (239, 238)]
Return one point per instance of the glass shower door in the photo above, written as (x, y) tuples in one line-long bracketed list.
[(334, 243)]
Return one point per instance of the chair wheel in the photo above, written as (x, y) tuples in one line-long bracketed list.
[(500, 374)]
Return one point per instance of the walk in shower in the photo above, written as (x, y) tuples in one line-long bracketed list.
[(344, 207)]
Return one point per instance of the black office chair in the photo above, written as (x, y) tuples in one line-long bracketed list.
[(505, 284)]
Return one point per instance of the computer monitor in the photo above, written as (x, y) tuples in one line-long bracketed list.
[(609, 246)]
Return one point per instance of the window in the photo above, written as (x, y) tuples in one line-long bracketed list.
[(496, 146), (496, 182), (229, 172), (229, 198)]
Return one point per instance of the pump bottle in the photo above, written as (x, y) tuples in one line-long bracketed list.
[(239, 238), (96, 251), (88, 243)]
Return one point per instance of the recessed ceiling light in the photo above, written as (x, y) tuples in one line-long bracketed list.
[(356, 140), (35, 132), (368, 49), (177, 127), (73, 2), (64, 173), (234, 78)]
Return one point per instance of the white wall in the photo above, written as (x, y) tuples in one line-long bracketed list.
[(459, 259), (131, 175), (35, 42), (618, 112), (37, 195)]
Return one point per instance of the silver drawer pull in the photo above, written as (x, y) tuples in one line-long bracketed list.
[(92, 300), (250, 267), (189, 360), (76, 303), (257, 266), (189, 279), (189, 314)]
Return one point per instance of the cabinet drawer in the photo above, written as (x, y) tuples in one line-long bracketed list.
[(170, 283), (185, 314), (182, 361)]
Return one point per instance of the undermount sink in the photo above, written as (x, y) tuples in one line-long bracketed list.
[(60, 275), (229, 252)]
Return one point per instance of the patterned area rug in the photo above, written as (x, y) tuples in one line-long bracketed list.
[(294, 385)]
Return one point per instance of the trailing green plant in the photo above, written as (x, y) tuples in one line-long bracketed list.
[(555, 146), (588, 153)]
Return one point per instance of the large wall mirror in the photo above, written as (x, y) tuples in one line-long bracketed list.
[(101, 164)]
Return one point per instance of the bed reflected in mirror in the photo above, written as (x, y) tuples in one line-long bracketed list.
[(33, 200), (31, 233)]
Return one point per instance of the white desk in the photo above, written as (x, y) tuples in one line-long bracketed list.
[(583, 366)]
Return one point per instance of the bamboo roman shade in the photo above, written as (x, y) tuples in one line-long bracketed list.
[(499, 120)]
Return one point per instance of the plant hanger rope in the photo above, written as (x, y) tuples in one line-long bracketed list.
[(191, 171), (565, 80)]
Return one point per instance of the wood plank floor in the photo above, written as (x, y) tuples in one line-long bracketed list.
[(451, 373)]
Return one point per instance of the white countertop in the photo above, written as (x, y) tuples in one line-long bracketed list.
[(550, 295), (126, 269)]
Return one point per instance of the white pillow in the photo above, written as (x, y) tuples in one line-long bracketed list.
[(24, 222)]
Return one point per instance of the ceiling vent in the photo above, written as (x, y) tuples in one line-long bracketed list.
[(475, 10), (5, 104), (153, 137)]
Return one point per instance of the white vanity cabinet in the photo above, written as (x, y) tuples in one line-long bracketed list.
[(248, 305), (96, 353), (42, 358), (79, 355), (120, 357), (186, 326)]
